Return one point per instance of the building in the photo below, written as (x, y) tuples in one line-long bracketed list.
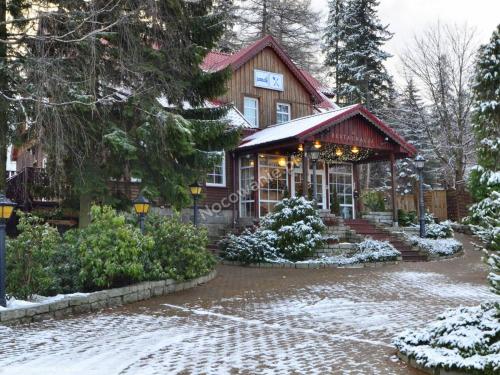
[(287, 113), (283, 112)]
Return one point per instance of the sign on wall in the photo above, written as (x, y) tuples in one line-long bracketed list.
[(268, 80)]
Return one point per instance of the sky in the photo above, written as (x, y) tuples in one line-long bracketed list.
[(409, 17)]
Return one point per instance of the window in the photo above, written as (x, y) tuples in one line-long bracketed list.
[(247, 187), (282, 113), (272, 181), (217, 175), (251, 110)]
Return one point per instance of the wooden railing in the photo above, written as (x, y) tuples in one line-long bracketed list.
[(30, 185)]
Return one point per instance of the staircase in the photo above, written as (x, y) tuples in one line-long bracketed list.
[(367, 229)]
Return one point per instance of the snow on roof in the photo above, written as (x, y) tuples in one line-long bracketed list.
[(292, 128), (327, 103)]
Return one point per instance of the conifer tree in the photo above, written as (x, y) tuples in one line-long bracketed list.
[(485, 179), (134, 94), (361, 35)]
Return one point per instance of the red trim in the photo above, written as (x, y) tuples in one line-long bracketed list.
[(222, 61)]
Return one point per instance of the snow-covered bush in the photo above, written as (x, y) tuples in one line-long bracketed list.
[(375, 251), (440, 230), (293, 231), (436, 247), (464, 339)]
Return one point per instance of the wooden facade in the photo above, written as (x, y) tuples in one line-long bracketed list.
[(241, 84)]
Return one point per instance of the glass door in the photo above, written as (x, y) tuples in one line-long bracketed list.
[(296, 189), (341, 188)]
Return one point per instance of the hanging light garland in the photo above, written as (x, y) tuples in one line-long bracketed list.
[(331, 152)]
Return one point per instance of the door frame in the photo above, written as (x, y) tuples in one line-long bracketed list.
[(319, 172)]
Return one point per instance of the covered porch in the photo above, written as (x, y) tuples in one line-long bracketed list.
[(272, 163)]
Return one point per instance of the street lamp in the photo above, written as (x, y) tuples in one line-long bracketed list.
[(195, 192), (6, 209), (419, 164), (313, 153), (141, 207)]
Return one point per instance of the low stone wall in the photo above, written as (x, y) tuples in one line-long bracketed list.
[(379, 217), (312, 265), (429, 370), (79, 304), (342, 248)]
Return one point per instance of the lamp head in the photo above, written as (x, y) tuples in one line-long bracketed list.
[(141, 205)]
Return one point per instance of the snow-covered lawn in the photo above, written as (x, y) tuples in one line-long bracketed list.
[(465, 339), (437, 247)]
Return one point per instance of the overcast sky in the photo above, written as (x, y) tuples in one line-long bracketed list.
[(407, 17)]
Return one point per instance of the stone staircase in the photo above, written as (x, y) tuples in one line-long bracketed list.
[(366, 229)]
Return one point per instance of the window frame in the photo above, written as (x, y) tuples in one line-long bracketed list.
[(278, 112), (256, 100), (212, 173)]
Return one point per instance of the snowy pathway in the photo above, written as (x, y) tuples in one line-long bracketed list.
[(254, 321)]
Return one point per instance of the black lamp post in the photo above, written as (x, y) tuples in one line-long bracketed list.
[(313, 153), (6, 209), (419, 164), (195, 192), (141, 207)]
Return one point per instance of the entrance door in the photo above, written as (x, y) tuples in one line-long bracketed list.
[(320, 180), (341, 182)]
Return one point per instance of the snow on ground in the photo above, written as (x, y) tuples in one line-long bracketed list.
[(13, 303), (342, 324)]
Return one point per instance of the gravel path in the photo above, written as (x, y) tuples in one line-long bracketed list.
[(255, 321)]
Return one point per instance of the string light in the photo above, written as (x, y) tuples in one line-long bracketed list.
[(331, 152), (338, 152)]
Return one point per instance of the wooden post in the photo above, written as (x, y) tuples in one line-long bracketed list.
[(257, 182), (393, 190), (305, 173)]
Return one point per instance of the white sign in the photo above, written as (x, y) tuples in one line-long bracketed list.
[(268, 80)]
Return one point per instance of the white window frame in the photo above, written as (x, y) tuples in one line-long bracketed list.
[(212, 173), (288, 113), (256, 101), (244, 198)]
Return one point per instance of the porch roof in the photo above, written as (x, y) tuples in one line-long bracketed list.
[(305, 128)]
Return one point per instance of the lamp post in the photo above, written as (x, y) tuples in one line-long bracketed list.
[(6, 209), (195, 192), (419, 164), (141, 207), (313, 154)]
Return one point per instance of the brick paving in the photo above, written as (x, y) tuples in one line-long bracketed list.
[(256, 321)]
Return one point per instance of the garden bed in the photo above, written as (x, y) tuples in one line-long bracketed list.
[(77, 303), (437, 248), (465, 340)]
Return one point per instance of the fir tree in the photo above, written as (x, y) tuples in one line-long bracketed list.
[(359, 32), (485, 179), (136, 95)]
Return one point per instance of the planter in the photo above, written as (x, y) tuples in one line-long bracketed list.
[(91, 302)]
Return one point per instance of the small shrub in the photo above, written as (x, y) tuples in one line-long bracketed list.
[(441, 230), (293, 231), (405, 219), (111, 252), (375, 251), (29, 256), (179, 251), (374, 200)]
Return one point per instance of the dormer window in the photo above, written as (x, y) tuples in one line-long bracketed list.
[(251, 110), (283, 112)]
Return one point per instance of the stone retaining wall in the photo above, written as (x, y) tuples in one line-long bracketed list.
[(312, 265), (79, 304), (379, 217), (342, 248)]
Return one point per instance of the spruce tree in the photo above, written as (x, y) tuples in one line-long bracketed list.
[(485, 179), (136, 97), (364, 78)]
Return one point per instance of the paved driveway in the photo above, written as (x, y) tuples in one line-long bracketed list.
[(255, 321)]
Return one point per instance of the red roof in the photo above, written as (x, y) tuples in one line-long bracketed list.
[(326, 103), (215, 61)]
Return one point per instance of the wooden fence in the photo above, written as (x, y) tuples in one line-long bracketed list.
[(434, 202)]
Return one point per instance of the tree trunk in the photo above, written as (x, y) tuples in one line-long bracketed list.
[(4, 106), (84, 214)]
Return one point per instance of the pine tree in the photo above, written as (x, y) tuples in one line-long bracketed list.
[(363, 76), (485, 179), (136, 95), (293, 23)]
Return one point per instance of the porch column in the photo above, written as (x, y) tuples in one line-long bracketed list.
[(257, 184), (305, 174), (393, 190)]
